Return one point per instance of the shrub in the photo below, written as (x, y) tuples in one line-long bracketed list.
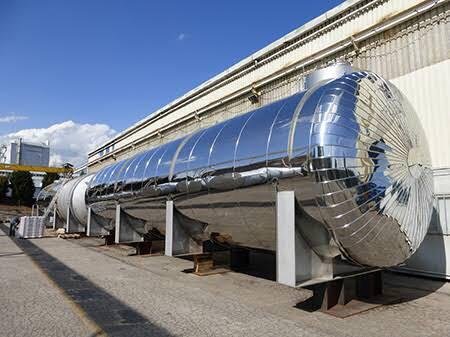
[(23, 187), (49, 178), (4, 181)]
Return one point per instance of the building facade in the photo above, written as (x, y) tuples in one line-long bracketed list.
[(406, 42), (23, 153)]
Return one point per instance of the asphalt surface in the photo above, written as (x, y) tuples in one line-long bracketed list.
[(55, 287)]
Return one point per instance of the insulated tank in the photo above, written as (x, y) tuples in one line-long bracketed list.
[(350, 146), (72, 197), (47, 193)]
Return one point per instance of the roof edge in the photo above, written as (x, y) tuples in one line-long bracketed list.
[(237, 66)]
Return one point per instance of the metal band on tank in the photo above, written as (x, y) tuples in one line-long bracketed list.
[(297, 112)]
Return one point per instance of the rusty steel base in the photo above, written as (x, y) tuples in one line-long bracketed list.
[(204, 265), (349, 296), (154, 247), (109, 240)]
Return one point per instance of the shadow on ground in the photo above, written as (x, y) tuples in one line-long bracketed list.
[(397, 287), (111, 315)]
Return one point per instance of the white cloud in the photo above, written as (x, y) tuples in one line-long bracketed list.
[(181, 36), (11, 117), (69, 141)]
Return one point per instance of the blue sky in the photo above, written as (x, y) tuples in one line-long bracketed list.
[(113, 62)]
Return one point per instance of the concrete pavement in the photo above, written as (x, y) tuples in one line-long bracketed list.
[(54, 287)]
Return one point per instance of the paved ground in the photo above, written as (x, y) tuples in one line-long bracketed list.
[(55, 287), (30, 303)]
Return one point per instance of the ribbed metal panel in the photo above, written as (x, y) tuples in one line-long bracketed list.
[(428, 91), (415, 44)]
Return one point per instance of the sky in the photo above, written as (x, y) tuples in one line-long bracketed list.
[(76, 72)]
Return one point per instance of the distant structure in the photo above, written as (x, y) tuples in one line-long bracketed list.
[(81, 170), (25, 153), (29, 154), (3, 150)]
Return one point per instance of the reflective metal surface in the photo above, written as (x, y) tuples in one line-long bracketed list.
[(350, 147), (337, 70), (72, 197), (47, 193)]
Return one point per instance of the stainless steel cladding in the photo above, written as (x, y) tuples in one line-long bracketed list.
[(47, 193), (351, 147), (72, 197)]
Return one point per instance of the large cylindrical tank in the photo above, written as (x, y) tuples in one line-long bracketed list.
[(72, 197), (47, 193), (350, 147)]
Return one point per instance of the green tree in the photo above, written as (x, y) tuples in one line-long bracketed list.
[(4, 180), (49, 178), (23, 187)]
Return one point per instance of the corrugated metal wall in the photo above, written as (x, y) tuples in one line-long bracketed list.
[(428, 91), (410, 46), (413, 45)]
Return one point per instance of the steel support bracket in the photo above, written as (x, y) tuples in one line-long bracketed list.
[(296, 262), (94, 227), (124, 231), (178, 242)]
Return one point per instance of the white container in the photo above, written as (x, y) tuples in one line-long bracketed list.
[(31, 227)]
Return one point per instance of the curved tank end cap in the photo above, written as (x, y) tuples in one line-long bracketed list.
[(336, 70), (371, 166)]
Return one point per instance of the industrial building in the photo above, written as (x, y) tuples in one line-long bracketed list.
[(404, 41), (27, 154), (30, 154)]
